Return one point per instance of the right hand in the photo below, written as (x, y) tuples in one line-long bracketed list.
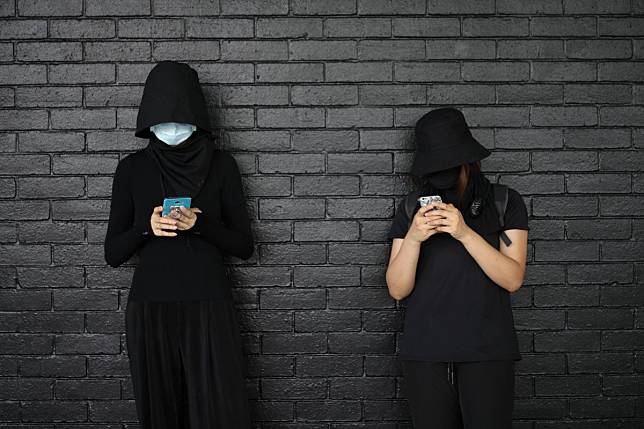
[(420, 229), (159, 223)]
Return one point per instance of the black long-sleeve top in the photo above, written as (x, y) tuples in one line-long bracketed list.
[(188, 266)]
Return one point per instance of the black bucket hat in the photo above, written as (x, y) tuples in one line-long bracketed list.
[(444, 140)]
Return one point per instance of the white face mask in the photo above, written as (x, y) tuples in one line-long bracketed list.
[(173, 133)]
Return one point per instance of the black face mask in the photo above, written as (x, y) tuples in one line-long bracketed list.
[(444, 179)]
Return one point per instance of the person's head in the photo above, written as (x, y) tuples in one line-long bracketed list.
[(172, 106), (446, 152)]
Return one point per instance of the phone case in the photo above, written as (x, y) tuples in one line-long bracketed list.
[(170, 203)]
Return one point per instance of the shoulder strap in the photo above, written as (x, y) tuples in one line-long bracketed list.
[(411, 201), (501, 203)]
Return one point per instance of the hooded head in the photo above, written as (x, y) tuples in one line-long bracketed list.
[(172, 96), (172, 93)]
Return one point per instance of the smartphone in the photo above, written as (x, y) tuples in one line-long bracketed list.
[(430, 199), (171, 205)]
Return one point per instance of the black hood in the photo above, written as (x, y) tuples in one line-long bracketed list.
[(172, 93)]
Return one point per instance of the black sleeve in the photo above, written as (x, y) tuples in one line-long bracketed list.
[(516, 213), (400, 224), (123, 236), (233, 235)]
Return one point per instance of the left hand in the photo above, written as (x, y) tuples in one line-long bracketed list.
[(187, 218), (452, 220)]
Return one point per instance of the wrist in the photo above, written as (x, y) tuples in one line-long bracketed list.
[(409, 239), (468, 235)]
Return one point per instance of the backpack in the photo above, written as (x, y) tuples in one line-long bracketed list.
[(500, 201)]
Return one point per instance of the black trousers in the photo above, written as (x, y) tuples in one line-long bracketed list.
[(187, 365), (451, 395)]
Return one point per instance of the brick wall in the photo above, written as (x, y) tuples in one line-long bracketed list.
[(316, 100)]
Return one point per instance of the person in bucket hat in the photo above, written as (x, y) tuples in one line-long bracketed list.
[(454, 276)]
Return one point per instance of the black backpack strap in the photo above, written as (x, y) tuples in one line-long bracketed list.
[(501, 203), (410, 204)]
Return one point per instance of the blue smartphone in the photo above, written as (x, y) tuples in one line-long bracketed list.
[(171, 205)]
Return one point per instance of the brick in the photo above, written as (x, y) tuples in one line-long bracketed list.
[(563, 26), (495, 27), (562, 71), (324, 95), (118, 7), (596, 6), (117, 51), (52, 96), (391, 50), (45, 8), (342, 140), (265, 50), (530, 93), (426, 27), (166, 28), (49, 51), (17, 74), (23, 119), (590, 49), (322, 50), (193, 50), (388, 7), (185, 7), (357, 27), (330, 7), (81, 73), (297, 117), (538, 49), (541, 7), (460, 7), (497, 71), (254, 7), (286, 27), (296, 72), (564, 116), (427, 72), (463, 48), (597, 93), (355, 72), (83, 119), (23, 29), (82, 29), (621, 71)]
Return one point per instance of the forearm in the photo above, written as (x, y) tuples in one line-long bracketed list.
[(231, 241), (401, 272), (501, 269), (120, 247)]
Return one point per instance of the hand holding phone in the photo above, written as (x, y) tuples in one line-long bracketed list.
[(171, 206)]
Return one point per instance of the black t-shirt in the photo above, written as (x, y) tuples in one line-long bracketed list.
[(455, 311)]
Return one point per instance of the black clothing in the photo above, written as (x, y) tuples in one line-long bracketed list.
[(480, 396), (172, 93), (455, 311), (187, 365), (189, 265), (183, 168)]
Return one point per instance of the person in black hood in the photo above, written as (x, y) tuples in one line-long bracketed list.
[(182, 333), (454, 275)]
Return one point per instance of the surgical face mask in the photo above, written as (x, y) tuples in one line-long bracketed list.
[(445, 179), (173, 133)]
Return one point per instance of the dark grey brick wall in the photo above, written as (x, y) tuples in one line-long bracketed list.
[(316, 99)]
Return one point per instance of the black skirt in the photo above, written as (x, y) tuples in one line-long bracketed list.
[(187, 364)]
